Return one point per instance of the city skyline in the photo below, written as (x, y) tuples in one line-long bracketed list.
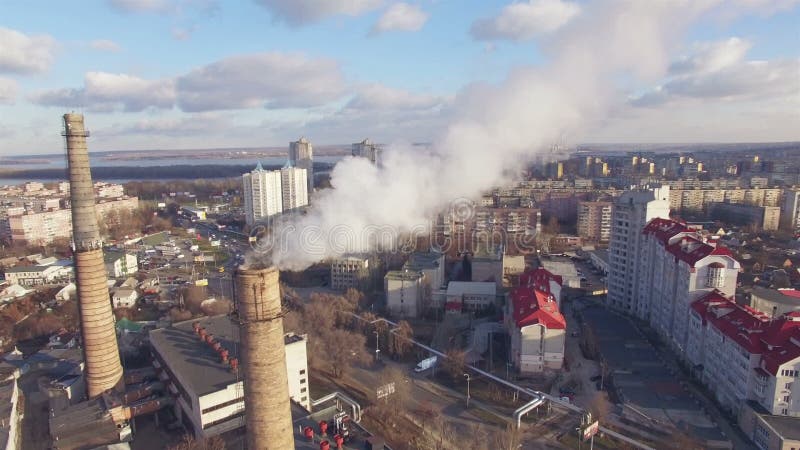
[(213, 74)]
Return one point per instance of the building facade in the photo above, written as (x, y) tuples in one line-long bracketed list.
[(790, 214), (301, 155), (766, 218), (404, 289), (120, 264), (367, 149), (632, 211), (742, 354), (537, 330), (594, 221), (209, 393), (294, 188), (263, 195), (354, 271), (470, 296)]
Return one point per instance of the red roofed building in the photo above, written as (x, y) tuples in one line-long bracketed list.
[(676, 267), (543, 280), (537, 329), (743, 354)]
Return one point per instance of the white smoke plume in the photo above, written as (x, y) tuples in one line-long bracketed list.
[(495, 131)]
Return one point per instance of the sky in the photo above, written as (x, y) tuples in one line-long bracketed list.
[(177, 74)]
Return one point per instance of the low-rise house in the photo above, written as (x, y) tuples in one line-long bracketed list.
[(61, 271), (124, 297), (537, 330), (120, 264)]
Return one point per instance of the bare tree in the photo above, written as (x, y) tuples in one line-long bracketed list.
[(454, 363), (401, 339), (190, 443)]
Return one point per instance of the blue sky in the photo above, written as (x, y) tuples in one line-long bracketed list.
[(192, 73)]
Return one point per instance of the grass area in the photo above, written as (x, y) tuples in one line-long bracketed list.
[(487, 417)]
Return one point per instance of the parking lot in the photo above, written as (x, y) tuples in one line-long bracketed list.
[(650, 392)]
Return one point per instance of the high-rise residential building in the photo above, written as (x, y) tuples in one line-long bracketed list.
[(263, 196), (790, 214), (367, 149), (676, 267), (632, 211), (594, 221), (301, 154), (294, 187)]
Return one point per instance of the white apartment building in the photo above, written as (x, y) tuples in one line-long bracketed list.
[(367, 149), (60, 272), (632, 211), (209, 394), (301, 154), (263, 196), (790, 213), (120, 264), (676, 267), (404, 289), (294, 188), (742, 354)]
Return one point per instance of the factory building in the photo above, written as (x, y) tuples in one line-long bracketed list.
[(360, 272), (404, 292), (208, 382)]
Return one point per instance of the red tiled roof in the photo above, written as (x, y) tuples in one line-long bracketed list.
[(690, 250), (664, 229), (532, 306), (790, 292), (753, 330), (539, 278), (776, 358)]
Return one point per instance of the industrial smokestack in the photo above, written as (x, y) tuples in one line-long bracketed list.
[(101, 354), (266, 388)]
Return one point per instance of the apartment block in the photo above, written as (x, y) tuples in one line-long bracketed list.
[(594, 221), (632, 211)]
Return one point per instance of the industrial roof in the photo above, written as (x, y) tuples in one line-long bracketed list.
[(407, 275), (456, 288), (195, 362)]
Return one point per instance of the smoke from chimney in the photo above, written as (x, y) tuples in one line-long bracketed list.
[(494, 131)]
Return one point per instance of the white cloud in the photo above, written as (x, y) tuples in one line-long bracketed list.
[(261, 80), (377, 96), (303, 12), (104, 91), (718, 70), (401, 17), (712, 56), (271, 80), (105, 45), (23, 54), (8, 91), (525, 20)]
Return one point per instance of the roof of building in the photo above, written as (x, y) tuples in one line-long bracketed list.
[(403, 275), (780, 296), (532, 306), (564, 267), (664, 229), (110, 256), (540, 279), (155, 238), (23, 269), (195, 362), (786, 426), (457, 288), (778, 340), (424, 260)]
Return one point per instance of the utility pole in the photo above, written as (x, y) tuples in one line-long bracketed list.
[(467, 376)]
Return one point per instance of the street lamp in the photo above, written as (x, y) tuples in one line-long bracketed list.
[(467, 376), (377, 347)]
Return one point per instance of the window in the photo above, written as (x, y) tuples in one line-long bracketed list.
[(303, 372), (788, 386), (303, 390), (303, 398), (716, 275), (302, 381)]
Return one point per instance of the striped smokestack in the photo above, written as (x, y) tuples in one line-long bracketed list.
[(266, 389), (101, 355)]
